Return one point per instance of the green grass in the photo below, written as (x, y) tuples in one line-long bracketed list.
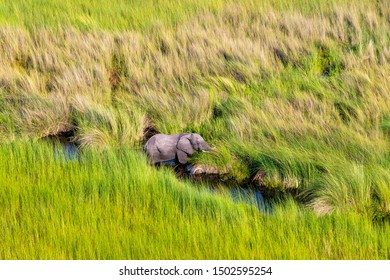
[(99, 14), (136, 14), (297, 90), (113, 205)]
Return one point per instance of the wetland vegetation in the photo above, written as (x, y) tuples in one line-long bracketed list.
[(293, 95)]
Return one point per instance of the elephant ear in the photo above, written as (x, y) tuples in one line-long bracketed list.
[(185, 145), (182, 157)]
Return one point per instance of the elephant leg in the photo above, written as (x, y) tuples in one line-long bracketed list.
[(182, 157)]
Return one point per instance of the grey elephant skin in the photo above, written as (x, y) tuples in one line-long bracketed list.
[(176, 147)]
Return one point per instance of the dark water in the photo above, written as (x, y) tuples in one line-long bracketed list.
[(251, 196), (244, 194), (70, 151), (63, 148)]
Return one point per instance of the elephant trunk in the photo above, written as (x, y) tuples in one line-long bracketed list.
[(205, 147)]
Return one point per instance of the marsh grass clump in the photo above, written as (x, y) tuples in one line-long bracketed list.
[(99, 126)]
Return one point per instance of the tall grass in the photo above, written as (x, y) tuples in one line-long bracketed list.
[(113, 205), (295, 90), (248, 73), (99, 14)]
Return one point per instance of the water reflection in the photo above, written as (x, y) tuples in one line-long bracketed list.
[(70, 151)]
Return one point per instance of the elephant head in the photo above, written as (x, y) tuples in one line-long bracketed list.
[(167, 148), (187, 144)]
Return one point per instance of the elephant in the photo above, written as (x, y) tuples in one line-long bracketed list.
[(162, 148)]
